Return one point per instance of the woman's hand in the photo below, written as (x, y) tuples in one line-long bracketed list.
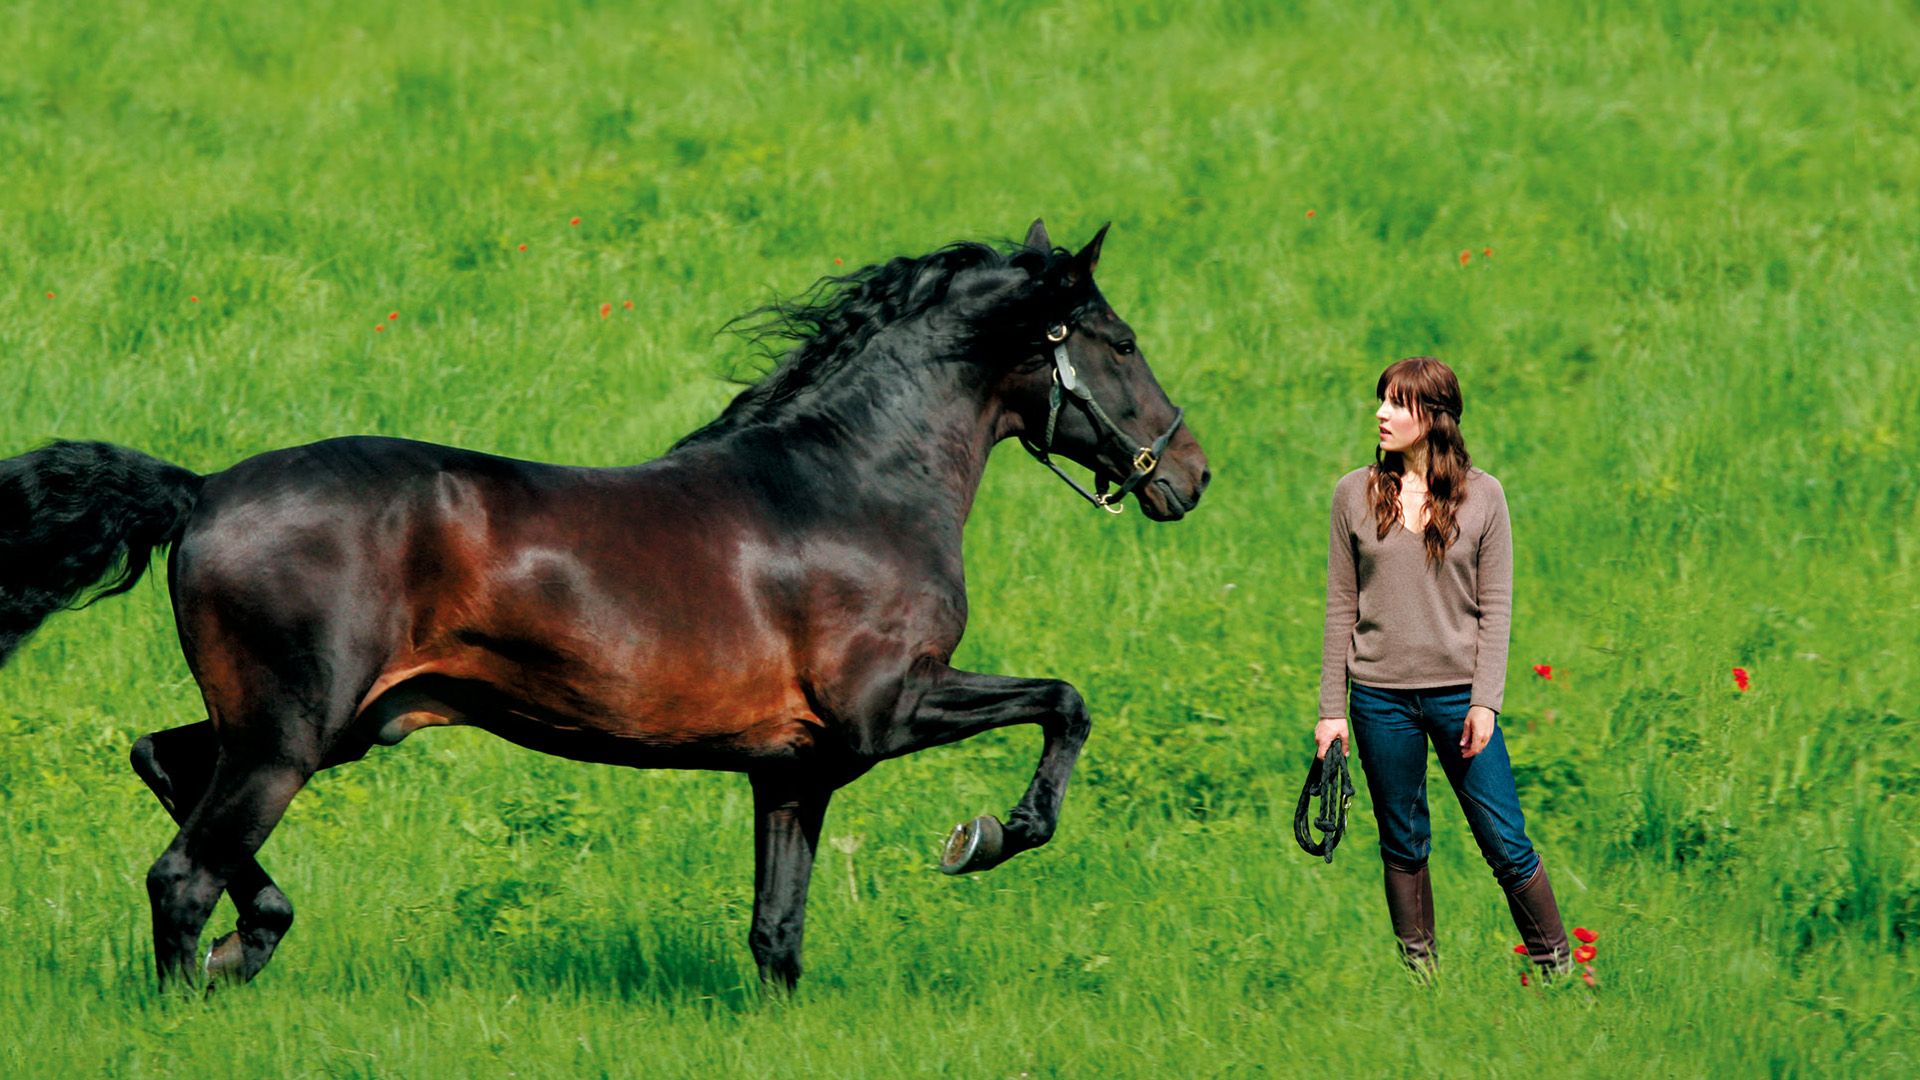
[(1328, 729), (1477, 730)]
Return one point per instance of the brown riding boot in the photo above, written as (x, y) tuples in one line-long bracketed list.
[(1410, 906), (1538, 919)]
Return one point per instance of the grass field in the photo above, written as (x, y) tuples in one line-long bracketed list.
[(1685, 322)]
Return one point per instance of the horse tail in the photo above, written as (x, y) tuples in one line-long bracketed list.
[(79, 518)]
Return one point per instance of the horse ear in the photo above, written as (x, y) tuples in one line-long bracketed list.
[(1037, 239), (1089, 256)]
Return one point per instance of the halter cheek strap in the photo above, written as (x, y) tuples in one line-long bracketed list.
[(1144, 458), (1063, 367)]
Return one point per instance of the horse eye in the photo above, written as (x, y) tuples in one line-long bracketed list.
[(1124, 348)]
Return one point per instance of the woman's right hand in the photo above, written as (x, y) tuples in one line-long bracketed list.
[(1328, 729)]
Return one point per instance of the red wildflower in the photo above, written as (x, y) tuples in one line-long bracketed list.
[(575, 221), (628, 304), (1739, 674), (1545, 671), (523, 247), (1587, 977), (392, 315), (606, 310), (379, 326), (1585, 936), (193, 299), (49, 294), (836, 261), (1520, 949), (1523, 979), (1488, 252), (1309, 213), (1465, 256), (1584, 954)]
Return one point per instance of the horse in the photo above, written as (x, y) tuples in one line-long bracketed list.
[(779, 594)]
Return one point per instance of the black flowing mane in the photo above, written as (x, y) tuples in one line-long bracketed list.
[(832, 323)]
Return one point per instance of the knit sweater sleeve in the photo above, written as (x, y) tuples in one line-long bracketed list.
[(1495, 580), (1343, 610)]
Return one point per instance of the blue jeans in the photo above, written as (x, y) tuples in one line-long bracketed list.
[(1391, 729)]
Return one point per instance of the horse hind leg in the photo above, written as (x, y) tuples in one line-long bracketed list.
[(244, 799), (177, 764)]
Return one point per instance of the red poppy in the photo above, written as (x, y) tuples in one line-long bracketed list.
[(193, 299), (1523, 979), (1739, 674), (523, 247), (1545, 671), (836, 262), (575, 221), (379, 326), (1586, 936), (1584, 954), (1520, 949), (1465, 256), (1309, 213), (49, 295), (1488, 252), (628, 304), (392, 315), (1587, 977), (606, 310)]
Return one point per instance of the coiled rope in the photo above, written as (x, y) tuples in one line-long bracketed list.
[(1327, 780)]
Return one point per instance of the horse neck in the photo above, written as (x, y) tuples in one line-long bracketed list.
[(900, 431)]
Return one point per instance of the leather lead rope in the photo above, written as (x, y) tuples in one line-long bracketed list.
[(1327, 780)]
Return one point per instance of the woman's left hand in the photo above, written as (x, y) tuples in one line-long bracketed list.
[(1477, 730)]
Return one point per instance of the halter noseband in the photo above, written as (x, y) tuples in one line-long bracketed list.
[(1144, 458)]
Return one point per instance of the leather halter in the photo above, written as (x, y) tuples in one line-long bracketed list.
[(1144, 458)]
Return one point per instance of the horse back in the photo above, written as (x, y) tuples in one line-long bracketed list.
[(610, 614)]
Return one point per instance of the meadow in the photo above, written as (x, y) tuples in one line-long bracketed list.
[(1669, 247)]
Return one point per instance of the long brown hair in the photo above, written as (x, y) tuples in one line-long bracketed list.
[(1427, 387)]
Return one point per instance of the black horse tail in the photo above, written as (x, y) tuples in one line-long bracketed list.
[(78, 517)]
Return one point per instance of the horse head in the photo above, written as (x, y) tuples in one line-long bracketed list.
[(1083, 390)]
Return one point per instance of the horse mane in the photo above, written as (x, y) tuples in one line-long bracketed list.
[(831, 324)]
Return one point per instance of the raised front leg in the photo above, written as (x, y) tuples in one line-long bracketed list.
[(786, 830), (944, 705)]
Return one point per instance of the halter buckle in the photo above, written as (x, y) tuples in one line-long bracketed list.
[(1144, 461)]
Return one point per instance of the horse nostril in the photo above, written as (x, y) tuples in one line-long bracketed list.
[(1206, 475)]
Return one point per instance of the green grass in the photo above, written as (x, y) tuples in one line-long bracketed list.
[(1690, 358)]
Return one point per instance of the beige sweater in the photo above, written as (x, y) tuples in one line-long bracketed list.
[(1395, 623)]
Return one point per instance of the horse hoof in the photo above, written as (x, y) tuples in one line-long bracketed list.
[(225, 959), (973, 846)]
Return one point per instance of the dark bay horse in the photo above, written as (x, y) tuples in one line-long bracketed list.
[(778, 594)]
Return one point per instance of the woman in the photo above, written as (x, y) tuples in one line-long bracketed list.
[(1419, 599)]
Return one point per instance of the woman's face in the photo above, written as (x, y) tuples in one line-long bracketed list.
[(1400, 426)]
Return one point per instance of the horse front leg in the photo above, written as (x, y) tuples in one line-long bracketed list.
[(946, 705), (786, 830)]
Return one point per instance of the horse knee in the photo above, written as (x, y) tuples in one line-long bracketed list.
[(1071, 708)]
